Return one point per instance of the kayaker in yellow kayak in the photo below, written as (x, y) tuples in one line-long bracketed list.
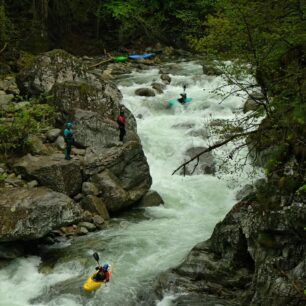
[(102, 274), (99, 278)]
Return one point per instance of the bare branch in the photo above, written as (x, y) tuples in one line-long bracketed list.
[(215, 146), (5, 45)]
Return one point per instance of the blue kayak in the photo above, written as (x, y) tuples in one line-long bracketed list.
[(141, 56), (175, 101)]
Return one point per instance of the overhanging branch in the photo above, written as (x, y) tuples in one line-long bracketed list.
[(210, 148)]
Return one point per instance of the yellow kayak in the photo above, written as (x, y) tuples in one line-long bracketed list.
[(91, 285)]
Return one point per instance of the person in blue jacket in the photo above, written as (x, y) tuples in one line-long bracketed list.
[(69, 140)]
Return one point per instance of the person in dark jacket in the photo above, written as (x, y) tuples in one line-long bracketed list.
[(69, 140), (183, 97), (121, 125)]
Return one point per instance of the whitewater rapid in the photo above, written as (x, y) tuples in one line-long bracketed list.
[(143, 243)]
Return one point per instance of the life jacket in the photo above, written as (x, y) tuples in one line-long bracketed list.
[(121, 120)]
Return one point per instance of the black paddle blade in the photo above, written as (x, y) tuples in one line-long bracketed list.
[(96, 256)]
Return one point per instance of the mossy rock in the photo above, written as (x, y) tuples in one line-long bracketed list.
[(25, 60)]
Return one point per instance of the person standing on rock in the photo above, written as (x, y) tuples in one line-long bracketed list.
[(121, 125), (69, 140)]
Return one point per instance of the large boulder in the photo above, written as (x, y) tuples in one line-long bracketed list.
[(103, 98), (47, 69), (120, 173), (52, 171), (29, 214)]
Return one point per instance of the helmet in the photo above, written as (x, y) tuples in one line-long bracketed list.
[(105, 267), (69, 124)]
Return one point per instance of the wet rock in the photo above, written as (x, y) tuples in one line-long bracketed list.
[(166, 78), (151, 198), (206, 163), (82, 231), (89, 226), (29, 214), (211, 69), (52, 171), (244, 192), (145, 92), (159, 87), (9, 250), (98, 221)]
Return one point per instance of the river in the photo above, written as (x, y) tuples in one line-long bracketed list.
[(143, 243)]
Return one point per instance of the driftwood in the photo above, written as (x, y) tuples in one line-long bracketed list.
[(100, 63), (5, 45)]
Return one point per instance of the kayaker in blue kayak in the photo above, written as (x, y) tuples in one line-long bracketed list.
[(183, 97)]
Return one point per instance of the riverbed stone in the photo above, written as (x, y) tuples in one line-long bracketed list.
[(146, 92), (151, 198)]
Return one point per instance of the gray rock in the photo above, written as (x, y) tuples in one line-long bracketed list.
[(98, 221), (244, 192), (5, 99), (211, 69), (250, 105), (206, 163), (36, 146), (32, 184), (89, 189), (166, 78), (56, 66), (29, 214), (82, 231), (146, 92), (95, 205), (53, 134), (102, 98), (89, 226), (151, 198), (60, 142), (159, 87), (52, 171)]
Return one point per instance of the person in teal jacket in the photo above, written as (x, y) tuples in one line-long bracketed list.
[(69, 140)]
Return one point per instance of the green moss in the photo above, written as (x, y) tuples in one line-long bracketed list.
[(25, 60)]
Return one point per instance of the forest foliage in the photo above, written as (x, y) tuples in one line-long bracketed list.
[(266, 38)]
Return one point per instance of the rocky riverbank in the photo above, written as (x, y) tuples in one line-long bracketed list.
[(45, 196), (254, 257)]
